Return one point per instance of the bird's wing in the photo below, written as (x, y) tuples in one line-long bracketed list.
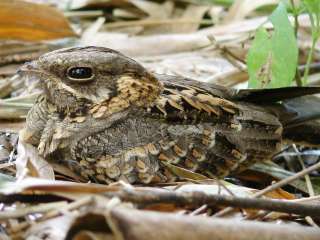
[(188, 101)]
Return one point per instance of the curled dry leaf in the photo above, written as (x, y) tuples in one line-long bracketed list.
[(22, 20)]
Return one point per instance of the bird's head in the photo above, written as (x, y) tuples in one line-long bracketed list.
[(93, 76)]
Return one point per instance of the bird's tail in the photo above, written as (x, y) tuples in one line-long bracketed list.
[(300, 118), (298, 110)]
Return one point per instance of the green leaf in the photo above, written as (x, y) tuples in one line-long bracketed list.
[(295, 9), (272, 61), (313, 9), (313, 6), (284, 48), (287, 3), (258, 58)]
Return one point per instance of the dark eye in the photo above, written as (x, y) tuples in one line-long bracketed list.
[(80, 74)]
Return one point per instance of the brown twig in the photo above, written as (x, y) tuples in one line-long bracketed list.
[(288, 180), (275, 186), (149, 196)]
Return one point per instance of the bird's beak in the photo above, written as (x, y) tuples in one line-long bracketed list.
[(29, 67)]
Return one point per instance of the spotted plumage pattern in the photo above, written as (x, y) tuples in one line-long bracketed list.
[(118, 121)]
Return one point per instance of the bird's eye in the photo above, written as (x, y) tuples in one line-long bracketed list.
[(80, 74)]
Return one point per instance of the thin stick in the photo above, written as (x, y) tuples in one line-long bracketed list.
[(287, 180), (307, 177), (275, 186)]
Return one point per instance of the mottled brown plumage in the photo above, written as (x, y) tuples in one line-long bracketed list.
[(108, 118)]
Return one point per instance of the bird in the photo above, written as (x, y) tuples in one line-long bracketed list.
[(108, 118)]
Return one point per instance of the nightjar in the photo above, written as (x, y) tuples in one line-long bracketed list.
[(109, 119)]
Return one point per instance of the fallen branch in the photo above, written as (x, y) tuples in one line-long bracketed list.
[(124, 223)]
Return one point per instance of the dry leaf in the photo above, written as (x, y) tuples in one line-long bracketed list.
[(53, 229), (157, 13), (194, 12), (98, 3), (32, 22), (148, 45), (30, 163), (184, 173), (154, 10), (238, 191), (242, 8)]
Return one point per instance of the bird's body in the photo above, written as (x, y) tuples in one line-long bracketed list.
[(108, 117)]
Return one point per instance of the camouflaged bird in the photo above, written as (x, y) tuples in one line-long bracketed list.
[(111, 119)]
